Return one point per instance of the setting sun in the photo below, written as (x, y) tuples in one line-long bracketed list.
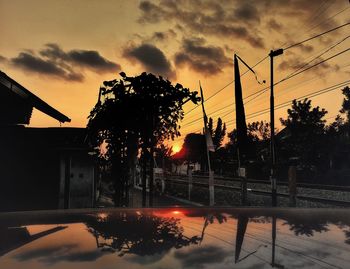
[(176, 148)]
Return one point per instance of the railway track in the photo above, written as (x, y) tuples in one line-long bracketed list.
[(265, 193), (267, 182)]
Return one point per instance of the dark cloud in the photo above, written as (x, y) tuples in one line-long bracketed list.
[(53, 52), (2, 59), (55, 254), (238, 20), (247, 12), (154, 13), (272, 24), (201, 58), (66, 65), (151, 58), (295, 63), (306, 48), (91, 59), (164, 36), (206, 17), (201, 256), (32, 63)]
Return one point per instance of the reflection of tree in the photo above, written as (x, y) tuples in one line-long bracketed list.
[(260, 219), (306, 227), (347, 235), (209, 219), (140, 234)]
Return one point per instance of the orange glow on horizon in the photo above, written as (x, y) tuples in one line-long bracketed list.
[(176, 212), (176, 148)]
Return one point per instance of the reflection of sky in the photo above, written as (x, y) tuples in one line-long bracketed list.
[(75, 247)]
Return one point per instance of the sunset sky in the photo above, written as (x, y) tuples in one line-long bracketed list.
[(63, 50)]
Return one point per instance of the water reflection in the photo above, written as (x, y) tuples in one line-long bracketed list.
[(182, 238), (140, 234), (15, 237)]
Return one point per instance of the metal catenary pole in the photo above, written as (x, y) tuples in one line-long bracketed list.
[(272, 125), (211, 173)]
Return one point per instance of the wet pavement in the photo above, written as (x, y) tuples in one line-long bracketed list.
[(176, 238)]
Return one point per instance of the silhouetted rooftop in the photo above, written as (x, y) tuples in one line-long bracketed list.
[(22, 102)]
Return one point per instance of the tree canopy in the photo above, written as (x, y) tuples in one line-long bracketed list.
[(305, 130), (136, 112)]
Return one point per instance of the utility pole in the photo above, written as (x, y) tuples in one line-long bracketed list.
[(272, 126), (209, 147)]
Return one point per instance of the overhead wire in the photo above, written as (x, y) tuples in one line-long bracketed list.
[(316, 36), (294, 73), (221, 89), (287, 103), (329, 18), (303, 66)]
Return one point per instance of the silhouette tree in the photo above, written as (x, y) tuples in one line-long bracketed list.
[(219, 134), (137, 112), (306, 226), (137, 233), (259, 131), (193, 149), (346, 103), (305, 128), (211, 126)]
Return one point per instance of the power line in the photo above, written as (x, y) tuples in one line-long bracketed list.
[(293, 45), (329, 18), (284, 79), (320, 55), (221, 89), (316, 36), (312, 66), (303, 82), (287, 103), (323, 11), (297, 73)]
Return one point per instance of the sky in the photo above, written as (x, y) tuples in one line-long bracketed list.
[(62, 51)]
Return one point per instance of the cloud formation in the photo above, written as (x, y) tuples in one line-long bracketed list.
[(203, 256), (205, 17), (55, 254), (34, 64), (164, 36), (151, 58), (66, 65), (202, 58), (236, 20), (295, 63)]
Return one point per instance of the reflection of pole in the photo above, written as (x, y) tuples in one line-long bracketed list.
[(211, 182), (273, 240), (67, 174), (242, 223), (272, 126), (144, 177), (206, 223), (189, 183), (292, 175), (151, 178), (208, 138)]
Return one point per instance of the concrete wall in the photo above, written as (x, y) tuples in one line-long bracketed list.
[(182, 168), (81, 181)]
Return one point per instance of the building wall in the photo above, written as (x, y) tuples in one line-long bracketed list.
[(29, 172), (81, 180), (182, 168)]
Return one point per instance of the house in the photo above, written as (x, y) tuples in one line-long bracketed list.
[(40, 168)]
